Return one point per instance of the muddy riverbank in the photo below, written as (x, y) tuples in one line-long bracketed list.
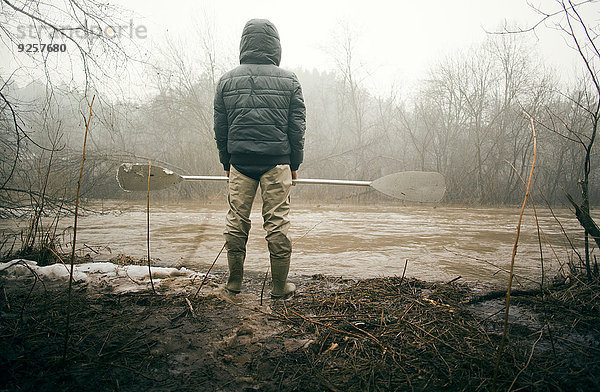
[(336, 334)]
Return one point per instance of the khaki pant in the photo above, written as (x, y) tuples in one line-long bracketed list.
[(275, 186)]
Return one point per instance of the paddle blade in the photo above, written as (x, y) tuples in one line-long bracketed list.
[(134, 177), (425, 187)]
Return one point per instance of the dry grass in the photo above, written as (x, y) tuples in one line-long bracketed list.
[(338, 335)]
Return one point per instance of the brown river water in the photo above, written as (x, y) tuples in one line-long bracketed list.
[(357, 241)]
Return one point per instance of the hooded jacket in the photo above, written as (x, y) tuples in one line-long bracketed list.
[(259, 110)]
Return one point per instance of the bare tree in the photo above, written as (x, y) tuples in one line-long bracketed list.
[(58, 52), (353, 99), (583, 38)]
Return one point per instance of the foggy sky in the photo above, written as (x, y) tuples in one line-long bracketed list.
[(396, 41)]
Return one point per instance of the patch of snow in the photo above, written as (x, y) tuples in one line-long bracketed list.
[(127, 167), (119, 277)]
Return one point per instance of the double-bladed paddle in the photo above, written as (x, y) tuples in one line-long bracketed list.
[(425, 187)]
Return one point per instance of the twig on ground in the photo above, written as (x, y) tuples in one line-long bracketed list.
[(528, 361), (189, 304), (208, 272), (403, 272), (264, 283)]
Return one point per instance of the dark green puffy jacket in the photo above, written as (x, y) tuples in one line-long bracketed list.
[(259, 110)]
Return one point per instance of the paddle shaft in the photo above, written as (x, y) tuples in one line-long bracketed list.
[(427, 187), (322, 181)]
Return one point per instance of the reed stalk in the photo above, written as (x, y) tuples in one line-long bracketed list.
[(512, 260), (148, 228), (68, 320)]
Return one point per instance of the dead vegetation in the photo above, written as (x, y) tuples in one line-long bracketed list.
[(379, 334), (336, 335)]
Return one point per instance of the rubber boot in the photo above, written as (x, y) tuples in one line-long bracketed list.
[(235, 260), (279, 272)]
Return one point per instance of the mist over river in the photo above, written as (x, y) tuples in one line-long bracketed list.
[(440, 243)]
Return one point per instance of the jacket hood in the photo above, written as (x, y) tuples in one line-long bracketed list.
[(260, 43)]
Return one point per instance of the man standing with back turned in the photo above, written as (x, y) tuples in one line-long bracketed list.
[(259, 129)]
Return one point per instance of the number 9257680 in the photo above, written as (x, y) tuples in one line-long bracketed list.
[(34, 48)]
